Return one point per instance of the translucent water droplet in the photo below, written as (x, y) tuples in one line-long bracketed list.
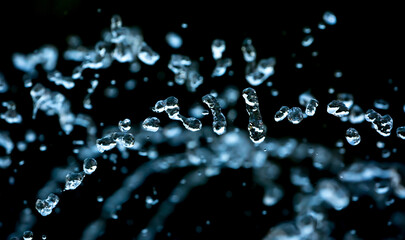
[(28, 235), (151, 124), (248, 50), (174, 40), (105, 144), (43, 207), (124, 125), (11, 116), (307, 41), (381, 104), (219, 121), (52, 200), (281, 114), (89, 165), (401, 132), (127, 140), (356, 114), (383, 125), (272, 195), (147, 55), (221, 66), (73, 180), (329, 18), (353, 136), (337, 108), (257, 129), (311, 107), (295, 115), (371, 115), (192, 124), (218, 47)]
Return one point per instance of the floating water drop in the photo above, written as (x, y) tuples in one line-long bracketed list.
[(329, 18), (219, 121), (257, 129), (147, 55), (124, 125), (89, 165), (401, 132), (218, 47), (353, 137), (220, 68), (295, 115), (248, 50), (311, 107), (105, 144), (281, 114), (338, 108), (151, 124), (381, 104), (73, 180), (307, 41), (356, 115), (28, 235), (174, 40)]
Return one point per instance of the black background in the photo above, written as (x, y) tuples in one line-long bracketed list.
[(367, 45)]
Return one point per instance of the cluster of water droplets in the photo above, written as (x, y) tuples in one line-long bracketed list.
[(171, 107), (229, 148), (123, 138), (45, 207), (382, 124)]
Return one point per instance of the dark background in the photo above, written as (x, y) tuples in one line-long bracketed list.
[(366, 45)]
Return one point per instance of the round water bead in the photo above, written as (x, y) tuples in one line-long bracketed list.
[(329, 18), (353, 136), (295, 115), (151, 124)]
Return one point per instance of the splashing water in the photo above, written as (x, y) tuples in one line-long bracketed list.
[(134, 152)]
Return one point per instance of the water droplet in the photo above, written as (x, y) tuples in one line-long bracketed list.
[(329, 18), (295, 115), (174, 40), (73, 180), (401, 132), (218, 47), (28, 235), (337, 108), (281, 114), (151, 124), (353, 137), (89, 165), (124, 125)]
